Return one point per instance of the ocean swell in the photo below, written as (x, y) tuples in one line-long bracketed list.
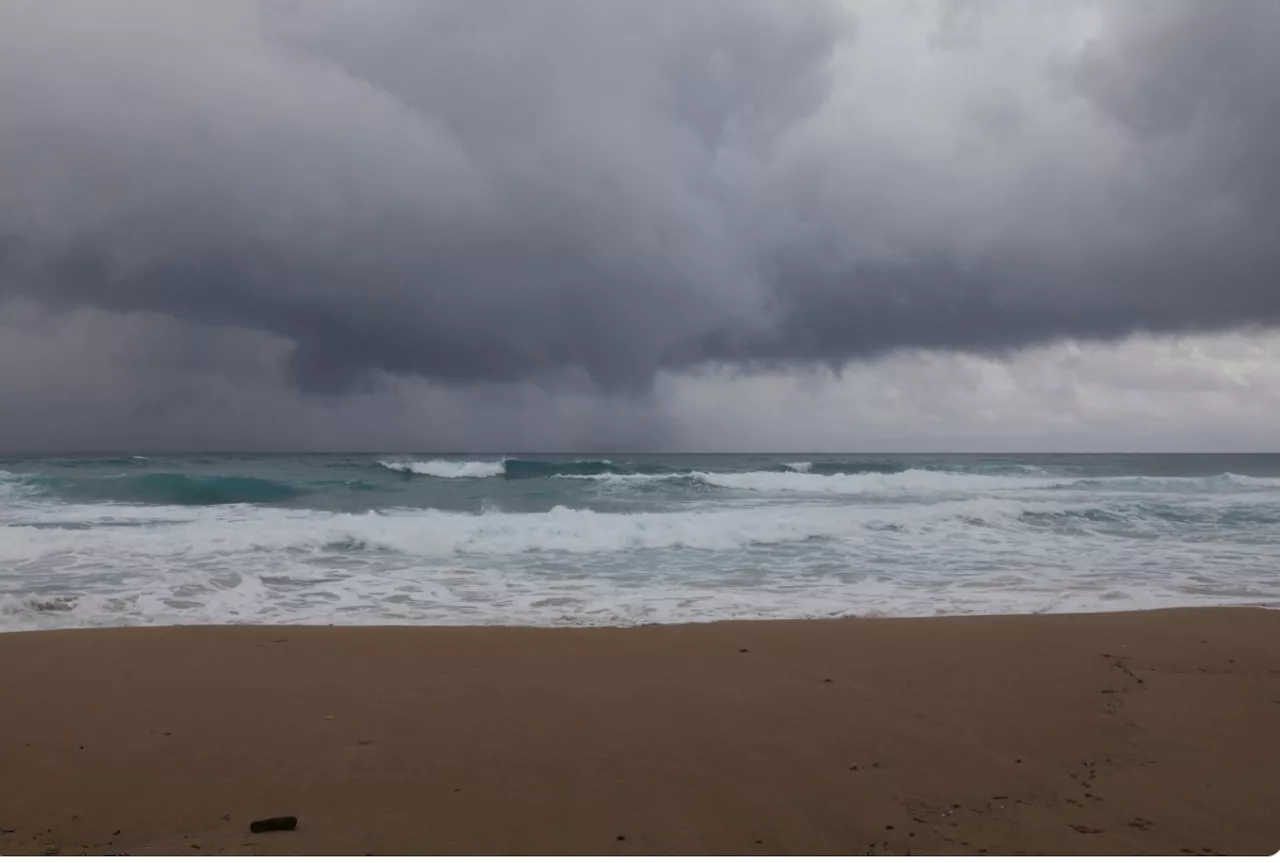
[(161, 489)]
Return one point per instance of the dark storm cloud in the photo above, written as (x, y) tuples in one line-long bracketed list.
[(481, 191)]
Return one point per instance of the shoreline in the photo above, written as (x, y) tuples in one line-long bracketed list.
[(1264, 605), (1102, 732)]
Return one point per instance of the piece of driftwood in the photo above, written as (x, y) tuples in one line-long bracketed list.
[(266, 825)]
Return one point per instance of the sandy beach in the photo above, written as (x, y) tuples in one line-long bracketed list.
[(1152, 732)]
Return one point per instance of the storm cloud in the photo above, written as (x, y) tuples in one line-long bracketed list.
[(575, 195)]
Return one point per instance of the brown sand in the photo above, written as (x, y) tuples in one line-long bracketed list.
[(1130, 733)]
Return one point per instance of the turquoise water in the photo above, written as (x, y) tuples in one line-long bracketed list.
[(621, 539)]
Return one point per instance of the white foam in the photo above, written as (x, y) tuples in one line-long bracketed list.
[(1223, 482), (425, 533), (798, 480), (915, 481), (449, 469)]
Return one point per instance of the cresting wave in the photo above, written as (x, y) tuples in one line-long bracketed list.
[(515, 468), (520, 468), (448, 469), (783, 476), (511, 468), (794, 477), (918, 481), (863, 483)]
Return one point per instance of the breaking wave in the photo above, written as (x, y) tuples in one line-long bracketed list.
[(922, 481), (448, 469), (522, 468), (872, 466), (914, 480), (1218, 482), (515, 468)]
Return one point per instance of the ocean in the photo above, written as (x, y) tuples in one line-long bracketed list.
[(626, 540)]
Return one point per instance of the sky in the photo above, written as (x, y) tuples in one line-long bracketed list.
[(497, 225)]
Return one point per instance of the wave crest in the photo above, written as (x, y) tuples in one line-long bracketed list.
[(914, 480), (510, 468), (445, 469)]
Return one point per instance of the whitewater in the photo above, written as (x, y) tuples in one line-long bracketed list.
[(146, 539)]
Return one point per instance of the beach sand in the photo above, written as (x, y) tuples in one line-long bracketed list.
[(1152, 732)]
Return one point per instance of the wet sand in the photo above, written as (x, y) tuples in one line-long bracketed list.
[(1153, 732)]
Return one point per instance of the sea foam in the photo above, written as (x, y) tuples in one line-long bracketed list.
[(449, 469)]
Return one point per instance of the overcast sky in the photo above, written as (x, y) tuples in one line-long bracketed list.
[(502, 225)]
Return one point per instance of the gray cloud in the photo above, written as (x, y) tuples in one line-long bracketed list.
[(494, 192), (90, 380)]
